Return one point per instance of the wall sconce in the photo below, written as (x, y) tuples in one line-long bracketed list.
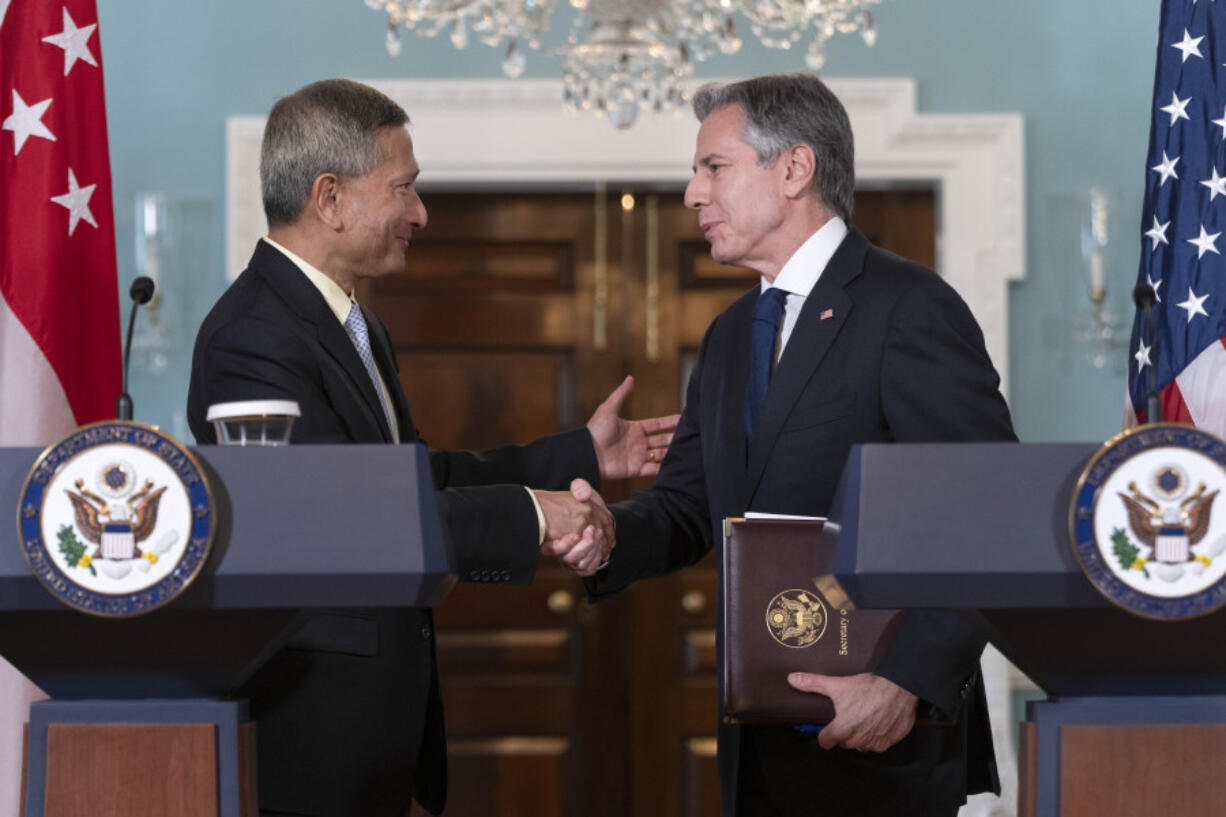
[(150, 343), (1100, 327)]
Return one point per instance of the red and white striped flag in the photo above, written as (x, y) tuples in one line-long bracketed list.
[(1182, 225), (59, 299)]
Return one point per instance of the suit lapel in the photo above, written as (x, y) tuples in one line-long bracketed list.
[(732, 408), (810, 340), (305, 300)]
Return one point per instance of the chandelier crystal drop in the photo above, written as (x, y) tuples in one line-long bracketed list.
[(623, 57)]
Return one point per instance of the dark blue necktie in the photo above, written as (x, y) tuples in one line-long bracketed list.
[(767, 315)]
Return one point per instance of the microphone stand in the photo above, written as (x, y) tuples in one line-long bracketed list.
[(141, 292)]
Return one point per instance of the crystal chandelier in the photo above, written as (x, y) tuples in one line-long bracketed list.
[(626, 56)]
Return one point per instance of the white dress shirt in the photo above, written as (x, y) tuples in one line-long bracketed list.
[(339, 301), (799, 275)]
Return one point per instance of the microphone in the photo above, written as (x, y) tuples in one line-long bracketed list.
[(1145, 299), (1143, 295), (141, 292)]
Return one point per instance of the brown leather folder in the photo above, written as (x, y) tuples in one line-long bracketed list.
[(782, 616)]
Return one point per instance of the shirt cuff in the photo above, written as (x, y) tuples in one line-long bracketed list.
[(540, 517)]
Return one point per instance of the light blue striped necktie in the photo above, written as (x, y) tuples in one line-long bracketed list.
[(355, 326)]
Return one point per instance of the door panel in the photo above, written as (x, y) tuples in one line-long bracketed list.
[(523, 394), (492, 324), (509, 770)]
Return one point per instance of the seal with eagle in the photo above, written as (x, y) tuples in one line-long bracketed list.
[(116, 529), (1170, 531)]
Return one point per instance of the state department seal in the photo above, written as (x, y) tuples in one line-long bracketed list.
[(796, 618), (1144, 526), (116, 519)]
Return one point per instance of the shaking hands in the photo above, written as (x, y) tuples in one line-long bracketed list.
[(578, 527)]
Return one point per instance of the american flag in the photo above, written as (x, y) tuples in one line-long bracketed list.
[(1183, 222), (59, 298)]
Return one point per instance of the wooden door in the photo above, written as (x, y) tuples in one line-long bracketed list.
[(500, 325), (516, 315)]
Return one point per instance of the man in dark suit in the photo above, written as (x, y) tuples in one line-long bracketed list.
[(842, 343), (349, 716)]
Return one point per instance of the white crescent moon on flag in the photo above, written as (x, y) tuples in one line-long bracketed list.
[(4, 6)]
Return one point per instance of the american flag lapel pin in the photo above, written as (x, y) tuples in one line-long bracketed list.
[(829, 313)]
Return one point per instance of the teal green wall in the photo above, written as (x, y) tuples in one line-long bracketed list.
[(1080, 73)]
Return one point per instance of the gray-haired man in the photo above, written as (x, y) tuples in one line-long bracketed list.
[(349, 717), (842, 343)]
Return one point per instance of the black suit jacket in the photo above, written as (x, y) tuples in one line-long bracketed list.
[(883, 350), (349, 716)]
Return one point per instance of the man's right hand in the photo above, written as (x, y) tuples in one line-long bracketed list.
[(578, 527)]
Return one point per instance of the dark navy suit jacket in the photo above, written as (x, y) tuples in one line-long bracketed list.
[(896, 358), (349, 718)]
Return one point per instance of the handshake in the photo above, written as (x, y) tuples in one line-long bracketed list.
[(578, 527)]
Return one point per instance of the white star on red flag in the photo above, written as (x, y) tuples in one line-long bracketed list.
[(77, 202), (26, 121), (74, 41)]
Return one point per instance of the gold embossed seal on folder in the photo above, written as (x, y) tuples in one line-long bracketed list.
[(773, 575), (796, 618)]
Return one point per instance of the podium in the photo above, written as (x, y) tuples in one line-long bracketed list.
[(299, 528), (1135, 717)]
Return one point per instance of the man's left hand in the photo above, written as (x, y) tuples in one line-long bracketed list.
[(871, 713), (628, 448)]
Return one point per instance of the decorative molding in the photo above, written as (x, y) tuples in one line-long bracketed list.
[(504, 133)]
